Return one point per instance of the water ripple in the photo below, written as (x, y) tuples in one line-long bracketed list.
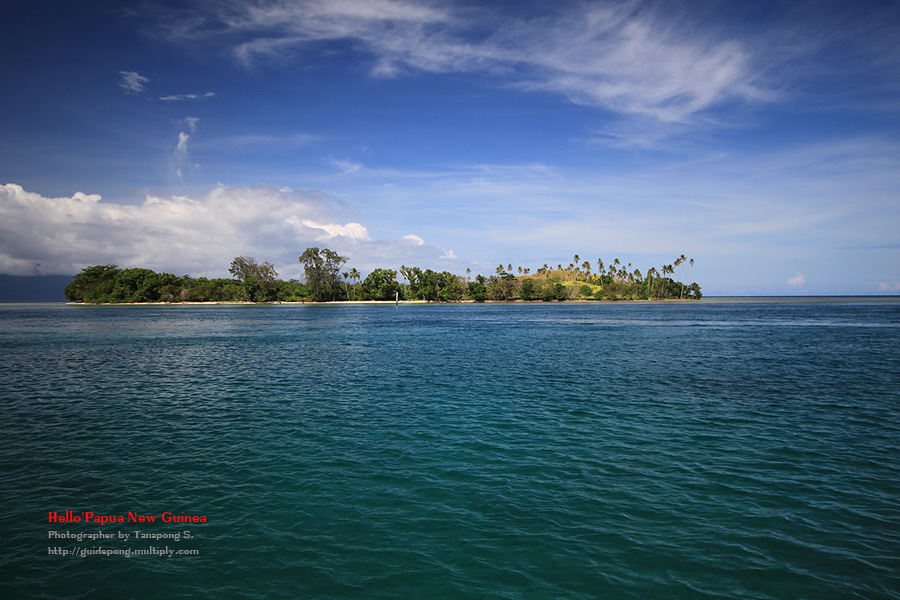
[(543, 451)]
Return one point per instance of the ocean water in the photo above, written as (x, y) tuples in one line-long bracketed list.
[(675, 450)]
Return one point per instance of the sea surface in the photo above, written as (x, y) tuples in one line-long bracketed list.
[(534, 451)]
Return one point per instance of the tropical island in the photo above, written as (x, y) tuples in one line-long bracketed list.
[(328, 280)]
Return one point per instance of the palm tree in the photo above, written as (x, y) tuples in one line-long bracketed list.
[(355, 275), (347, 287), (468, 272), (667, 270), (600, 271), (692, 270), (586, 265)]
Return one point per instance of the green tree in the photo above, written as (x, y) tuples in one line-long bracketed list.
[(94, 284), (477, 290), (381, 284), (144, 285), (528, 291), (323, 273), (560, 292), (258, 279)]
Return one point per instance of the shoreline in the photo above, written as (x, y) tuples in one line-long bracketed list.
[(376, 302), (705, 300)]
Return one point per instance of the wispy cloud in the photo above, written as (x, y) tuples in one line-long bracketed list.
[(620, 56), (191, 123), (259, 141), (183, 139), (346, 165), (188, 97), (132, 83)]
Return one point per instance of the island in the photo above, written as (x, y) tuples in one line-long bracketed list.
[(327, 279)]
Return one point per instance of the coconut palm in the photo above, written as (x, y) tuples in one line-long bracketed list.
[(679, 262), (346, 286), (354, 275), (667, 270)]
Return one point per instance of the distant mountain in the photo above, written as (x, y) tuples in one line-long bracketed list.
[(33, 288)]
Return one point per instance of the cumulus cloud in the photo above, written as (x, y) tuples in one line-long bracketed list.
[(191, 123), (621, 56), (415, 239), (196, 235), (889, 286), (798, 280), (332, 230), (132, 82)]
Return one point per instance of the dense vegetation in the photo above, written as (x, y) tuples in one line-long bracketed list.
[(326, 280)]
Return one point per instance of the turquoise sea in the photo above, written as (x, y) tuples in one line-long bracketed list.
[(540, 451)]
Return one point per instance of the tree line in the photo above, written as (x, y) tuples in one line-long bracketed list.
[(327, 279)]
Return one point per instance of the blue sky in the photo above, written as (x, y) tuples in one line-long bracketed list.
[(761, 139)]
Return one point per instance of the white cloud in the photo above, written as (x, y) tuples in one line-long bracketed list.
[(350, 230), (179, 234), (621, 56), (889, 286), (798, 280), (347, 166), (132, 82), (258, 141), (191, 123), (183, 97), (183, 139), (415, 239)]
